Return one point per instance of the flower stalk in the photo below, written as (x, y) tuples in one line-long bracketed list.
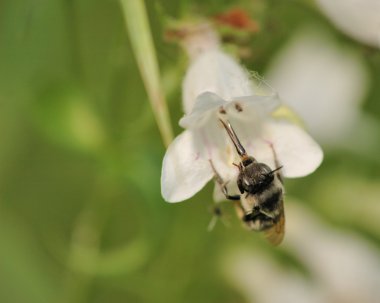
[(137, 24)]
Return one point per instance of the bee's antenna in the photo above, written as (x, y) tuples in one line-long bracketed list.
[(239, 148), (278, 168)]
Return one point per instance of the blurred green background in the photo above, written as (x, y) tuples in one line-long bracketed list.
[(81, 214)]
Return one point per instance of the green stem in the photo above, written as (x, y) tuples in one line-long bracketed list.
[(136, 20)]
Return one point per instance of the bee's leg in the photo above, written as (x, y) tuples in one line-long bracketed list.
[(223, 184), (228, 196), (217, 214), (245, 217), (216, 210)]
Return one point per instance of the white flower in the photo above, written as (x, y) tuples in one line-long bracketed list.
[(324, 82), (217, 87), (359, 19)]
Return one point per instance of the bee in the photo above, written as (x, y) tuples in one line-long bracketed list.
[(260, 203)]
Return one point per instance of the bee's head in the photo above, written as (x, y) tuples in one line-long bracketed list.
[(247, 160), (255, 177)]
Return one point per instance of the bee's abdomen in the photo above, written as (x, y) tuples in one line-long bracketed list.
[(260, 222), (270, 200), (263, 211)]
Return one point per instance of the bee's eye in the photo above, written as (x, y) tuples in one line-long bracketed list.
[(246, 181), (246, 162), (266, 178)]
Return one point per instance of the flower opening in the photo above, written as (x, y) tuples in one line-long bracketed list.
[(217, 87)]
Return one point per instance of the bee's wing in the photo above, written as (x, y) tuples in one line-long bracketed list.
[(276, 233)]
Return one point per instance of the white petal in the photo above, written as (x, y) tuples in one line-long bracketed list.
[(217, 72), (323, 82), (184, 170), (206, 104), (296, 151), (214, 145), (249, 108), (359, 19)]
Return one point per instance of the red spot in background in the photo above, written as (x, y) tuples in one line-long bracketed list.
[(239, 19)]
